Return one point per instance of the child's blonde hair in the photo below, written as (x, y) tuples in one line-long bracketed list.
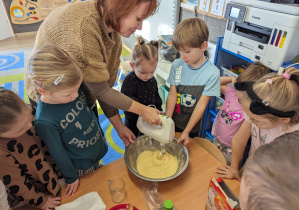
[(254, 72), (191, 32), (271, 174), (11, 107), (274, 96), (282, 94), (46, 66), (143, 50)]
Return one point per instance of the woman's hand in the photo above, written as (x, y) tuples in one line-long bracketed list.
[(52, 202), (184, 138), (151, 115), (227, 172), (71, 189)]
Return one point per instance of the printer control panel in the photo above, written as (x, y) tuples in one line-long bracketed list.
[(235, 12)]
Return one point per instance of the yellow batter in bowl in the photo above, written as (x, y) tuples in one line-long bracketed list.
[(151, 164)]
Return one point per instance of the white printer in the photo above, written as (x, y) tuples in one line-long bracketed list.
[(262, 31)]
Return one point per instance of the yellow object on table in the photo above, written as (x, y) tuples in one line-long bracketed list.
[(154, 165)]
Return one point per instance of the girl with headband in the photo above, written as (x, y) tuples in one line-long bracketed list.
[(271, 108)]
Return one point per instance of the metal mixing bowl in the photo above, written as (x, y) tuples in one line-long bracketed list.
[(144, 143)]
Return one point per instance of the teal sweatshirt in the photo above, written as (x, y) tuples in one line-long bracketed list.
[(72, 134)]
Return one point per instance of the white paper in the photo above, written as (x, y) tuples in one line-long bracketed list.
[(217, 7), (90, 201), (204, 5)]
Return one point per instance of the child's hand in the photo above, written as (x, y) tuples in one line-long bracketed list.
[(184, 138), (228, 172), (71, 188), (52, 202), (126, 135), (234, 80)]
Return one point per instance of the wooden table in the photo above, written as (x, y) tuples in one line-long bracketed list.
[(187, 191)]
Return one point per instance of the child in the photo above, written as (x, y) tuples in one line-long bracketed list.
[(193, 78), (271, 110), (270, 176), (63, 118), (25, 170), (140, 85), (230, 116)]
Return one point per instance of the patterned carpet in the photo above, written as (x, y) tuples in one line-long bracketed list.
[(116, 147), (12, 68)]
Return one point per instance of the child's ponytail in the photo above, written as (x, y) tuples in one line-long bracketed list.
[(145, 50), (274, 96), (292, 74), (155, 44), (140, 41), (281, 92)]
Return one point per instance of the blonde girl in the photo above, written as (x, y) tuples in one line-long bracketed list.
[(63, 118), (25, 169), (272, 109), (140, 84), (230, 117)]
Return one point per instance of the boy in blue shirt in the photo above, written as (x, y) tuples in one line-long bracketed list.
[(193, 78)]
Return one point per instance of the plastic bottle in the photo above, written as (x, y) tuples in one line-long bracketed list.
[(168, 205)]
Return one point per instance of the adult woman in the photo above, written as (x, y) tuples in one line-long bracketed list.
[(90, 32)]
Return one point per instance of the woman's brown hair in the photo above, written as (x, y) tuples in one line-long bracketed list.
[(112, 11)]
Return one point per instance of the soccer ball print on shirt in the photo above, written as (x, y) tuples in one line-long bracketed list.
[(188, 100)]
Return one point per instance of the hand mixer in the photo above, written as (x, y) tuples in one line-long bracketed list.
[(163, 134)]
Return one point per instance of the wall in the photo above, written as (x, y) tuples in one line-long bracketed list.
[(216, 27)]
